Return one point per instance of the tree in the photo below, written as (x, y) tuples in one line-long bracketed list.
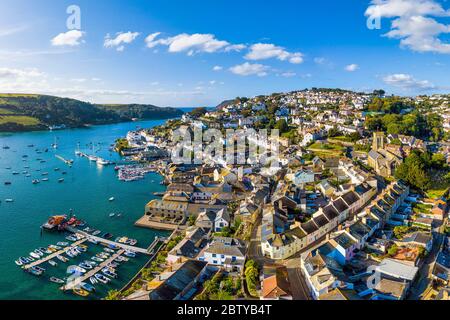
[(414, 170), (198, 112), (393, 250), (400, 231), (282, 126), (191, 220), (113, 295)]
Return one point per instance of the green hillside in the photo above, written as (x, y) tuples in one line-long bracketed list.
[(23, 112)]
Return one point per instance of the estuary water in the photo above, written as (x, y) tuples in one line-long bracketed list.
[(86, 190)]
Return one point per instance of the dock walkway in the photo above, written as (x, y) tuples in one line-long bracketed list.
[(109, 242), (53, 255), (71, 285)]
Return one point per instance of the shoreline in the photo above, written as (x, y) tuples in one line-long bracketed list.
[(145, 223), (85, 126)]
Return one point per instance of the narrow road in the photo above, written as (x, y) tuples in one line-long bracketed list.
[(299, 288), (424, 279)]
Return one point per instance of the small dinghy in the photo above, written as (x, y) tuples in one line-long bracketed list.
[(56, 280)]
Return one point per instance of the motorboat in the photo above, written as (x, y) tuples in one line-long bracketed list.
[(62, 259), (87, 287), (81, 292), (112, 215), (19, 262), (8, 183), (107, 236), (92, 241), (24, 260), (35, 255), (81, 248), (109, 250), (97, 259), (93, 280), (35, 271), (102, 278), (56, 280), (9, 200), (85, 266), (96, 233), (39, 268), (45, 180), (52, 263), (111, 199), (78, 269), (109, 273), (63, 244), (35, 181), (61, 180), (130, 254), (42, 249), (71, 238)]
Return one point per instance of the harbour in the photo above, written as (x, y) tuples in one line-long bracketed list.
[(86, 188)]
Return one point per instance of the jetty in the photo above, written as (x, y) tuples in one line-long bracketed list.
[(68, 162), (73, 284), (53, 255), (109, 242)]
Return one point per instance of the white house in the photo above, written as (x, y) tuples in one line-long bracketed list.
[(303, 177), (228, 253)]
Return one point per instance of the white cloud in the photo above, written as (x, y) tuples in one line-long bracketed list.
[(12, 73), (217, 68), (288, 74), (414, 23), (4, 32), (320, 60), (150, 40), (351, 67), (79, 80), (263, 51), (248, 69), (70, 38), (120, 40), (407, 81), (190, 43), (235, 47)]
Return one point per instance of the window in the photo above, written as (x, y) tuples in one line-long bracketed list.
[(214, 255)]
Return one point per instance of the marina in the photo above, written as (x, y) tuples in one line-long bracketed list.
[(85, 188), (52, 256), (93, 272), (101, 267)]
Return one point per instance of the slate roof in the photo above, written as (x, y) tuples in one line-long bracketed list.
[(330, 212), (177, 282)]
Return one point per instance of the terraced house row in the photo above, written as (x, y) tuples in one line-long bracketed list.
[(278, 244)]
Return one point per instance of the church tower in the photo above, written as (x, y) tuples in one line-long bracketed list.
[(378, 141)]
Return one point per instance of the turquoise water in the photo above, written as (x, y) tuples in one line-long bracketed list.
[(86, 190)]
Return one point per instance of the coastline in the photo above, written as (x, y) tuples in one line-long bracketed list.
[(85, 126)]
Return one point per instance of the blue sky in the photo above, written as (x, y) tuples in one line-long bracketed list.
[(165, 52)]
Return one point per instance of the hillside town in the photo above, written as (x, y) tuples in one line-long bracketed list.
[(357, 208)]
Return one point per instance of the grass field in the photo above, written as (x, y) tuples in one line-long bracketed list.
[(326, 149), (5, 111), (23, 120), (435, 194)]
